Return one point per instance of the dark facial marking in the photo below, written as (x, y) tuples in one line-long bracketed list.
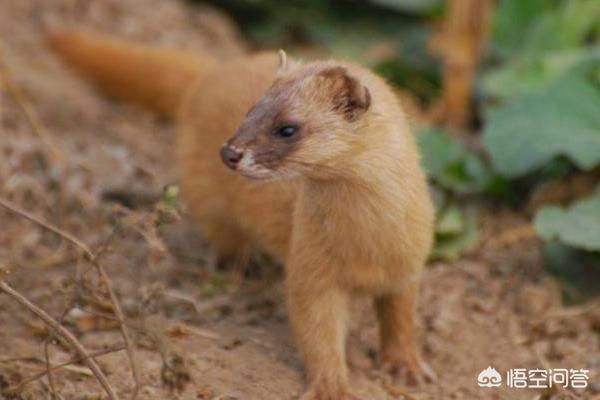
[(267, 131), (278, 144)]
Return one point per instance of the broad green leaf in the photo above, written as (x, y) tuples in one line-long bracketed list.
[(563, 120), (523, 76), (512, 21), (450, 164), (577, 226), (540, 40), (529, 27), (566, 27)]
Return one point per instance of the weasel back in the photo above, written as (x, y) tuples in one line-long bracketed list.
[(152, 77)]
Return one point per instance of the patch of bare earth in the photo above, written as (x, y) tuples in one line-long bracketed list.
[(201, 332)]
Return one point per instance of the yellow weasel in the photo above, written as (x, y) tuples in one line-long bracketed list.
[(313, 163)]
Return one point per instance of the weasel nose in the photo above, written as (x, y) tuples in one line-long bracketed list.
[(231, 156)]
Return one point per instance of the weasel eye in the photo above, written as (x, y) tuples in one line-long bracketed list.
[(287, 131)]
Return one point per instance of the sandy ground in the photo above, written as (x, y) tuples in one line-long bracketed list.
[(202, 333)]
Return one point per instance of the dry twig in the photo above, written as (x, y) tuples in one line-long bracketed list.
[(64, 333), (47, 341), (125, 333), (17, 387), (65, 235), (93, 259), (48, 371)]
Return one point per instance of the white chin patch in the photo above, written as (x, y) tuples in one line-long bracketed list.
[(247, 161), (248, 167)]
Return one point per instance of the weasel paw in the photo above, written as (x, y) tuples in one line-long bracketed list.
[(411, 371)]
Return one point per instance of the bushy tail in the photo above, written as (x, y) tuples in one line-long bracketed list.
[(152, 77)]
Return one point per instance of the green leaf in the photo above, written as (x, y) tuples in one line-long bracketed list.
[(529, 27), (577, 226), (439, 151), (170, 195), (563, 120), (540, 40), (450, 164), (451, 241), (565, 27), (523, 76), (512, 21), (451, 222)]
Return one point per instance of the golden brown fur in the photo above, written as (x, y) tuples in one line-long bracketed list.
[(349, 211), (155, 78)]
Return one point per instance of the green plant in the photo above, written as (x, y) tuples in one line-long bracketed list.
[(456, 172), (563, 119), (577, 226), (542, 112)]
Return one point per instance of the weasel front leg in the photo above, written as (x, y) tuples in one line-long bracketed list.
[(318, 312), (399, 351)]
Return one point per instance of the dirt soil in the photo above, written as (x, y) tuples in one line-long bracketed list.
[(203, 332)]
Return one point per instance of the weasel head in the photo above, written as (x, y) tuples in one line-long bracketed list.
[(308, 117)]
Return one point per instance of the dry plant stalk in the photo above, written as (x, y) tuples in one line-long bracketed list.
[(63, 332), (93, 259), (17, 388), (48, 371), (28, 216), (466, 34), (124, 332)]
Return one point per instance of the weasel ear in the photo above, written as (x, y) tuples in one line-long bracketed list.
[(283, 62), (350, 97)]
